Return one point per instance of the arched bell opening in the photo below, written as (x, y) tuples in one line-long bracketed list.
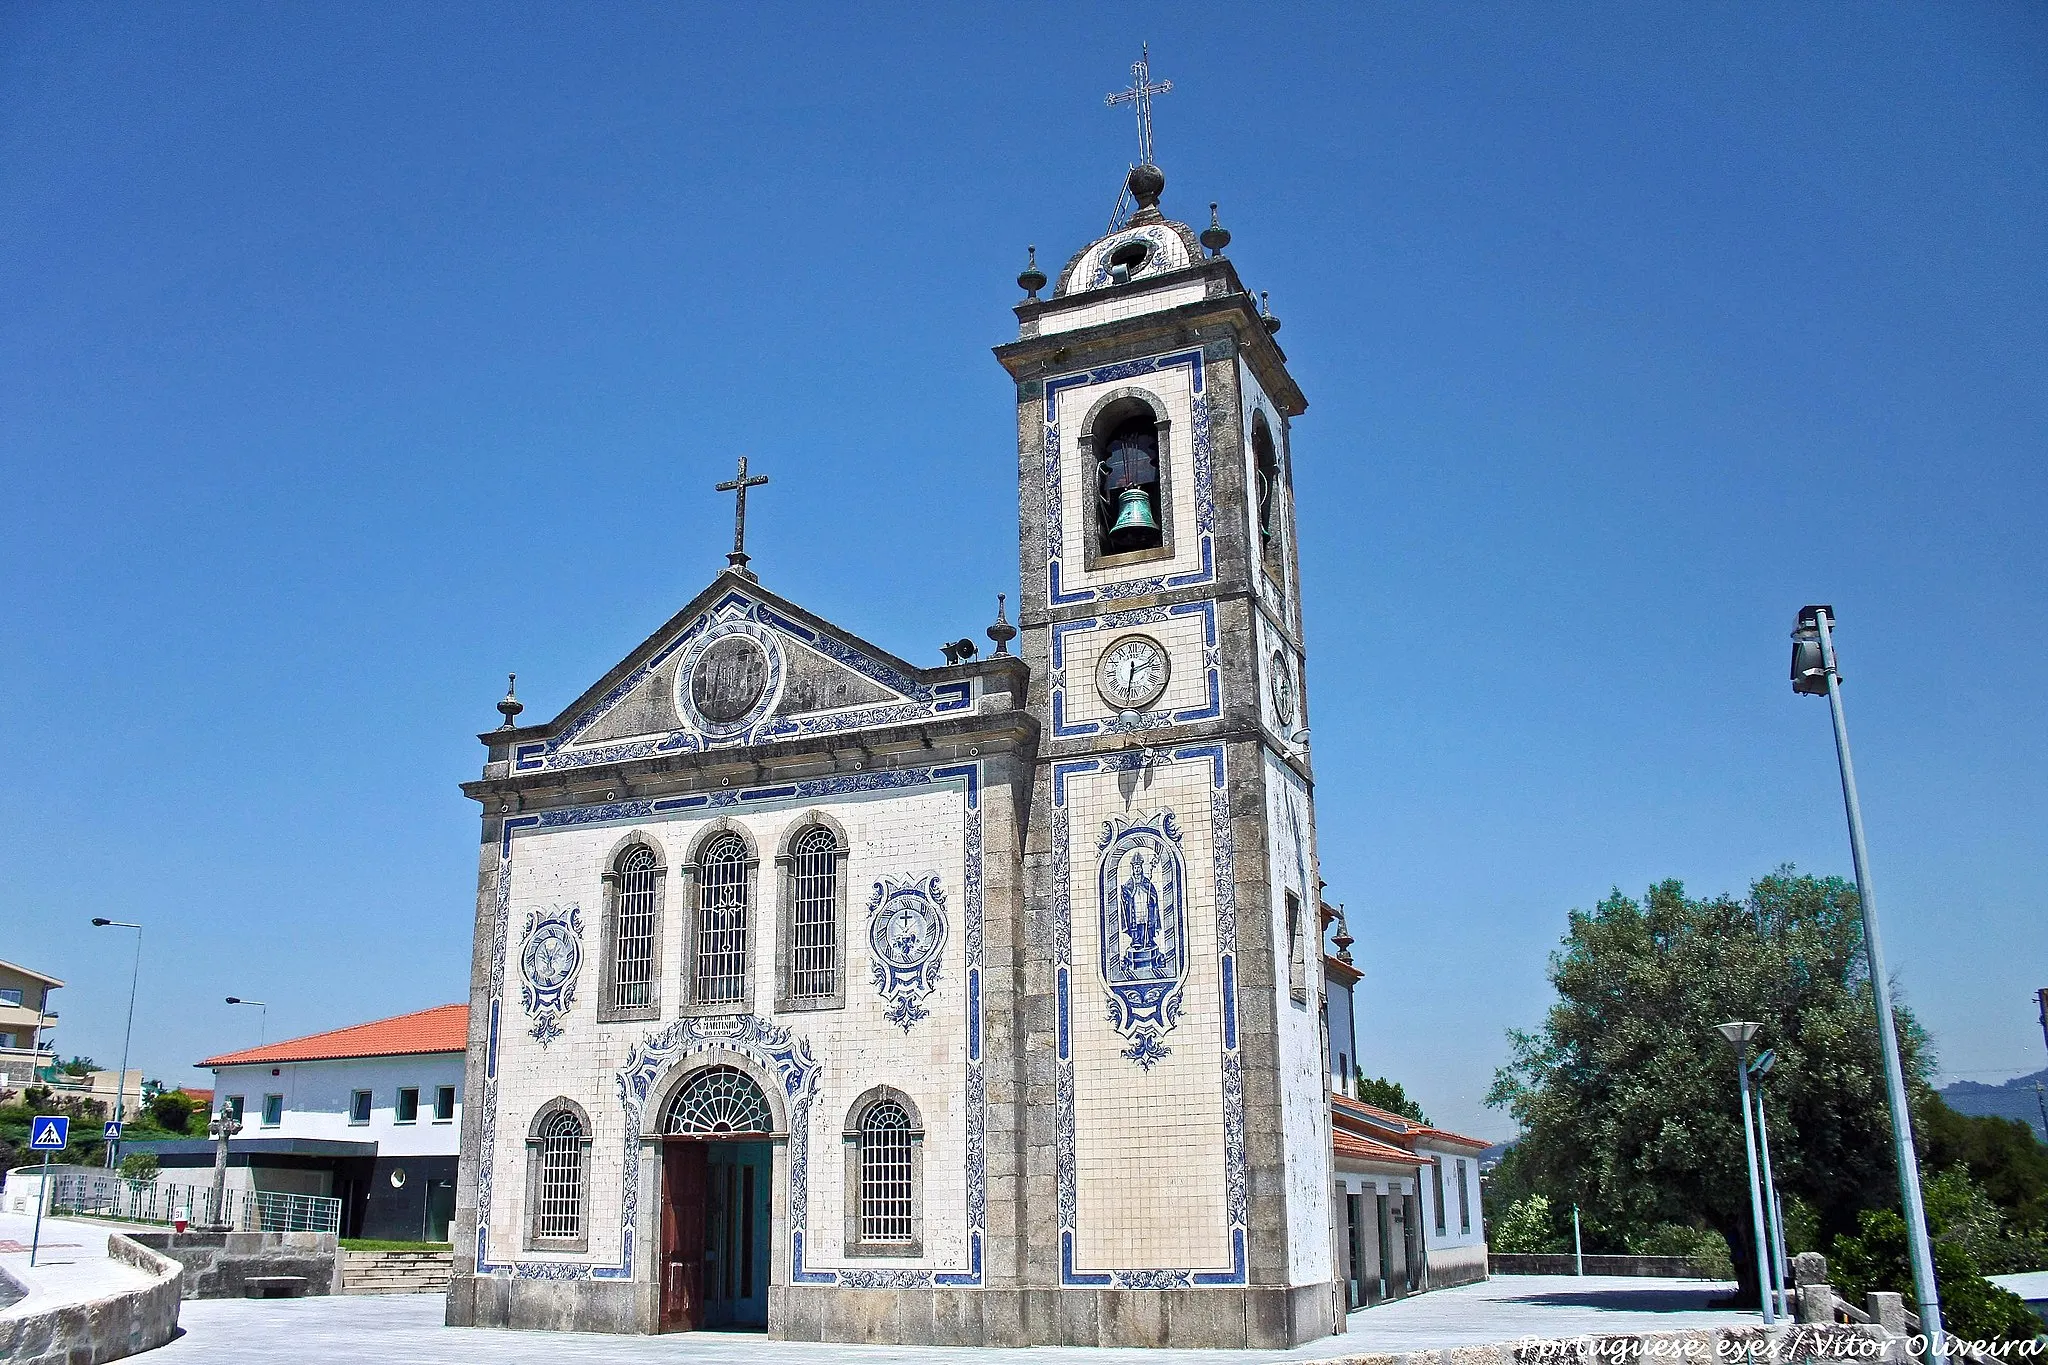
[(1127, 442)]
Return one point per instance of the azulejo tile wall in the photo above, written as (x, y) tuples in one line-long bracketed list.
[(918, 827), (1127, 1130), (1178, 381)]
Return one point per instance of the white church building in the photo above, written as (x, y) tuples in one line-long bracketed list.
[(818, 991)]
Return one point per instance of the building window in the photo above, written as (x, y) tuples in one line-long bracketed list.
[(10, 995), (721, 948), (1266, 471), (359, 1107), (273, 1110), (558, 1168), (234, 1104), (631, 988), (444, 1104), (884, 1175), (1464, 1208), (409, 1104), (811, 945), (1297, 969), (719, 1099), (1443, 1172)]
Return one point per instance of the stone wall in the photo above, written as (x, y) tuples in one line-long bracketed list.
[(1674, 1267), (109, 1328), (219, 1265)]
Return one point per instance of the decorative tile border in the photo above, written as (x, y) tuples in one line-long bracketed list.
[(1147, 720), (775, 1048), (1205, 511), (1236, 1194), (921, 701)]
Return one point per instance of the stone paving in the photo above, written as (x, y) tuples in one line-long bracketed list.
[(71, 1268), (407, 1330)]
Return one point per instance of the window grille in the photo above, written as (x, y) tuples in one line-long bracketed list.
[(722, 923), (885, 1174), (814, 947), (719, 1099), (633, 934), (561, 1177)]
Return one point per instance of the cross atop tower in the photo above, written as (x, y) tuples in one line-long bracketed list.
[(1140, 94), (739, 484)]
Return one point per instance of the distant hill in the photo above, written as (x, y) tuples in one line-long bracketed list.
[(2016, 1099)]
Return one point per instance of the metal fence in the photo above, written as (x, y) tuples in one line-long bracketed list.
[(107, 1195)]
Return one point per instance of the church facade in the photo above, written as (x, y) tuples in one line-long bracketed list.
[(818, 991)]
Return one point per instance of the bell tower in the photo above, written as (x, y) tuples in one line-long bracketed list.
[(1174, 1123)]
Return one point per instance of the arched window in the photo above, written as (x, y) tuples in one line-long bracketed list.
[(1266, 470), (1130, 514), (720, 975), (719, 1099), (558, 1173), (811, 941), (639, 875), (884, 1176)]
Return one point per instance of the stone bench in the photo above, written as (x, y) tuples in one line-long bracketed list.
[(275, 1286)]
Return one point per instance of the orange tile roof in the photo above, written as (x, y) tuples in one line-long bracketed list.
[(1374, 1113), (1445, 1135), (1365, 1149), (444, 1028)]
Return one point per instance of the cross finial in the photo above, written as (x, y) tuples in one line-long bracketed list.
[(739, 484), (1140, 94)]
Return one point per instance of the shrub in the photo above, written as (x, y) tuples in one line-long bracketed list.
[(1971, 1306), (172, 1111), (139, 1166)]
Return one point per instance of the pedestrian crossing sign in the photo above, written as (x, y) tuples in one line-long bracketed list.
[(112, 1132), (48, 1132)]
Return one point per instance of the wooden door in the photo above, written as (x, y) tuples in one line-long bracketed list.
[(683, 1191)]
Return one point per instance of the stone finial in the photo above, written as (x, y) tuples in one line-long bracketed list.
[(1002, 632), (1031, 279), (1146, 183), (511, 706), (1215, 236), (1266, 313), (1343, 940)]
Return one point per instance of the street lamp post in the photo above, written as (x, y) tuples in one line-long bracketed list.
[(1814, 674), (121, 1084), (1738, 1032), (263, 1023), (1780, 1257)]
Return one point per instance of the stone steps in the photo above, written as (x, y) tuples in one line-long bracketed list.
[(396, 1272)]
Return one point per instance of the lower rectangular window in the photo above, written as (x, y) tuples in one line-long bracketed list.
[(409, 1104), (444, 1104), (273, 1110), (359, 1107)]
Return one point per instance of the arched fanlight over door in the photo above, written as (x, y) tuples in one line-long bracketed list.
[(718, 1100)]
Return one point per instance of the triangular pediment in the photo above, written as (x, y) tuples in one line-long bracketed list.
[(739, 666)]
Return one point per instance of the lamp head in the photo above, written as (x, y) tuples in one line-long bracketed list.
[(1738, 1031), (1763, 1063), (99, 923), (234, 1000), (1809, 667)]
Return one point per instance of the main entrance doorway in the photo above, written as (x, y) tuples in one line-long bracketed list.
[(717, 1173)]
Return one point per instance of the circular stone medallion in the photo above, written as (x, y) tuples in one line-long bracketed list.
[(730, 676)]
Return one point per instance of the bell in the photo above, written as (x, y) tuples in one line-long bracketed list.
[(1133, 515)]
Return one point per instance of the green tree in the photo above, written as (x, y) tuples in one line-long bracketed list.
[(1971, 1306), (140, 1166), (1627, 1096), (172, 1111), (1388, 1095), (1527, 1227), (2001, 1155)]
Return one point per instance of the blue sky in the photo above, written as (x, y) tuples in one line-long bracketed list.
[(352, 357)]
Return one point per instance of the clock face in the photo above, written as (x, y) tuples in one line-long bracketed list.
[(551, 957), (1132, 673), (1282, 680)]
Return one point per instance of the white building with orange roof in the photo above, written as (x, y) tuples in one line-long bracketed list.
[(370, 1114)]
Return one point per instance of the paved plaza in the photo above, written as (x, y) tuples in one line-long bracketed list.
[(72, 1267), (407, 1330)]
